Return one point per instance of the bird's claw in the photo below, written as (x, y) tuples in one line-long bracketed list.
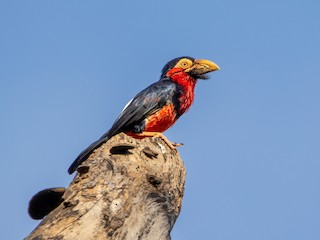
[(177, 144)]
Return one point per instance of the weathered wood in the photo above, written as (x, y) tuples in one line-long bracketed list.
[(127, 189)]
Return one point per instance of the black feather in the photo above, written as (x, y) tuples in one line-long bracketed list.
[(86, 153), (171, 64), (132, 118)]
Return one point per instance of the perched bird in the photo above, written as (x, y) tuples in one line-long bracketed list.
[(158, 107)]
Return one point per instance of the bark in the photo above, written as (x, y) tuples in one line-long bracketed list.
[(127, 189)]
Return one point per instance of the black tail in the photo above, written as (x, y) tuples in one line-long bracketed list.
[(86, 153)]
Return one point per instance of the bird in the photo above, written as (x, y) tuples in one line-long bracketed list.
[(156, 108)]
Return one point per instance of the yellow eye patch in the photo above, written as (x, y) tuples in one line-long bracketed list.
[(184, 63)]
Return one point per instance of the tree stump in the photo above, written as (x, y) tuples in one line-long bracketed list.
[(127, 189)]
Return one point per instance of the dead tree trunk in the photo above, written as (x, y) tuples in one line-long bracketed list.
[(127, 189)]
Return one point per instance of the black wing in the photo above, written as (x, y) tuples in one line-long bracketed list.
[(144, 104)]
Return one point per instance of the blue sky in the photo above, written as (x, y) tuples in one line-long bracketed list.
[(251, 139)]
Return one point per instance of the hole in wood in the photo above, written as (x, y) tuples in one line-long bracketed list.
[(45, 201), (121, 149), (153, 180)]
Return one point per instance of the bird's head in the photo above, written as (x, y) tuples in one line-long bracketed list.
[(195, 68)]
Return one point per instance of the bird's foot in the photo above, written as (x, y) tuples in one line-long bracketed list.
[(164, 138), (177, 144), (154, 135)]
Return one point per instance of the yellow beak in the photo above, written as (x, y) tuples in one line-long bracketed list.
[(201, 67), (205, 65)]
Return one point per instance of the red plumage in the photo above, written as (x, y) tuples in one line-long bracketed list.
[(158, 107)]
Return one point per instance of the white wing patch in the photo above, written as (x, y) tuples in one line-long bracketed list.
[(127, 105)]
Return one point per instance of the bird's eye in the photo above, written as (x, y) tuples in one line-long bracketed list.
[(184, 64)]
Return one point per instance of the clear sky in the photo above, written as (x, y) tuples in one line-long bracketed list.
[(251, 139)]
